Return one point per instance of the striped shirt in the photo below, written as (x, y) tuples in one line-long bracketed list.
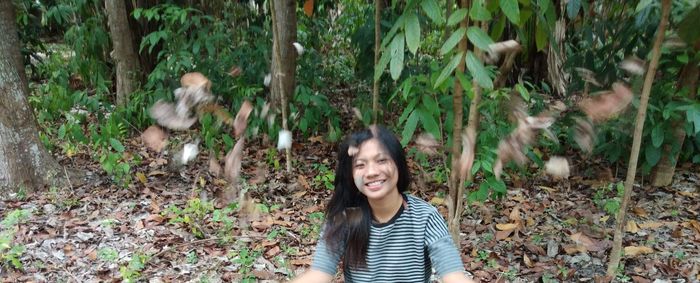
[(405, 249)]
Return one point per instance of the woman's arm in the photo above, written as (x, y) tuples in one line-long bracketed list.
[(315, 276), (456, 277)]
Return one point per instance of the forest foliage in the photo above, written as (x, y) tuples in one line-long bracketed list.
[(66, 48)]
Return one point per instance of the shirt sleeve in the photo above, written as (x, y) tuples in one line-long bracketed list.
[(326, 260), (443, 254)]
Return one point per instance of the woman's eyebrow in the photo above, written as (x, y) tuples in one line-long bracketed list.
[(378, 155)]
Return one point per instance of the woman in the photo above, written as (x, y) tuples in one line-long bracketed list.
[(382, 234)]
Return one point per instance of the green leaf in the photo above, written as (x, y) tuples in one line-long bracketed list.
[(652, 155), (397, 51), (541, 36), (641, 5), (429, 123), (572, 8), (657, 135), (452, 41), (479, 38), (389, 35), (693, 115), (447, 71), (498, 185), (688, 27), (412, 29), (544, 5), (116, 145), (457, 16), (432, 9), (511, 9), (409, 128), (381, 65), (523, 92), (479, 12), (478, 71)]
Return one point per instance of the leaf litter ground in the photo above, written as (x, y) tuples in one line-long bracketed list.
[(541, 231)]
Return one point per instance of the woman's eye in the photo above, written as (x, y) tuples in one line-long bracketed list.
[(383, 160), (359, 166)]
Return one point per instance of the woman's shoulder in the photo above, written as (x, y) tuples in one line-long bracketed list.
[(419, 205)]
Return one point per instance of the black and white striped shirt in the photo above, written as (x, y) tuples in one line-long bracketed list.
[(405, 249)]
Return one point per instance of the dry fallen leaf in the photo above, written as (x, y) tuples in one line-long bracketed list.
[(214, 166), (154, 138), (527, 261), (588, 243), (515, 214), (695, 224), (651, 225), (632, 251), (141, 177), (506, 226), (641, 212), (631, 227)]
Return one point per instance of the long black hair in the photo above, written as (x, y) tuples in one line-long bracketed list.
[(348, 215)]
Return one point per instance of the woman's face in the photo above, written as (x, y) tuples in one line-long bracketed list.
[(374, 172)]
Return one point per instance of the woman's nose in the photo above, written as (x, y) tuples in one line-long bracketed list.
[(371, 170)]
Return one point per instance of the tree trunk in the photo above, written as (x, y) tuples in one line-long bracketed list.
[(666, 168), (616, 252), (285, 33), (123, 53), (556, 56), (377, 43), (284, 28), (457, 106), (24, 162)]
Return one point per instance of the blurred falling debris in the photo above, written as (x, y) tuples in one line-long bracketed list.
[(633, 65), (607, 104), (500, 48), (165, 115), (299, 48), (466, 158), (587, 76), (154, 138), (241, 121), (557, 167), (284, 141), (584, 134), (427, 144), (232, 162)]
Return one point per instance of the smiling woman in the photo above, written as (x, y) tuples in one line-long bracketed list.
[(381, 233)]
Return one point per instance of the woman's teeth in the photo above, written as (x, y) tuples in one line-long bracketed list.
[(375, 183)]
